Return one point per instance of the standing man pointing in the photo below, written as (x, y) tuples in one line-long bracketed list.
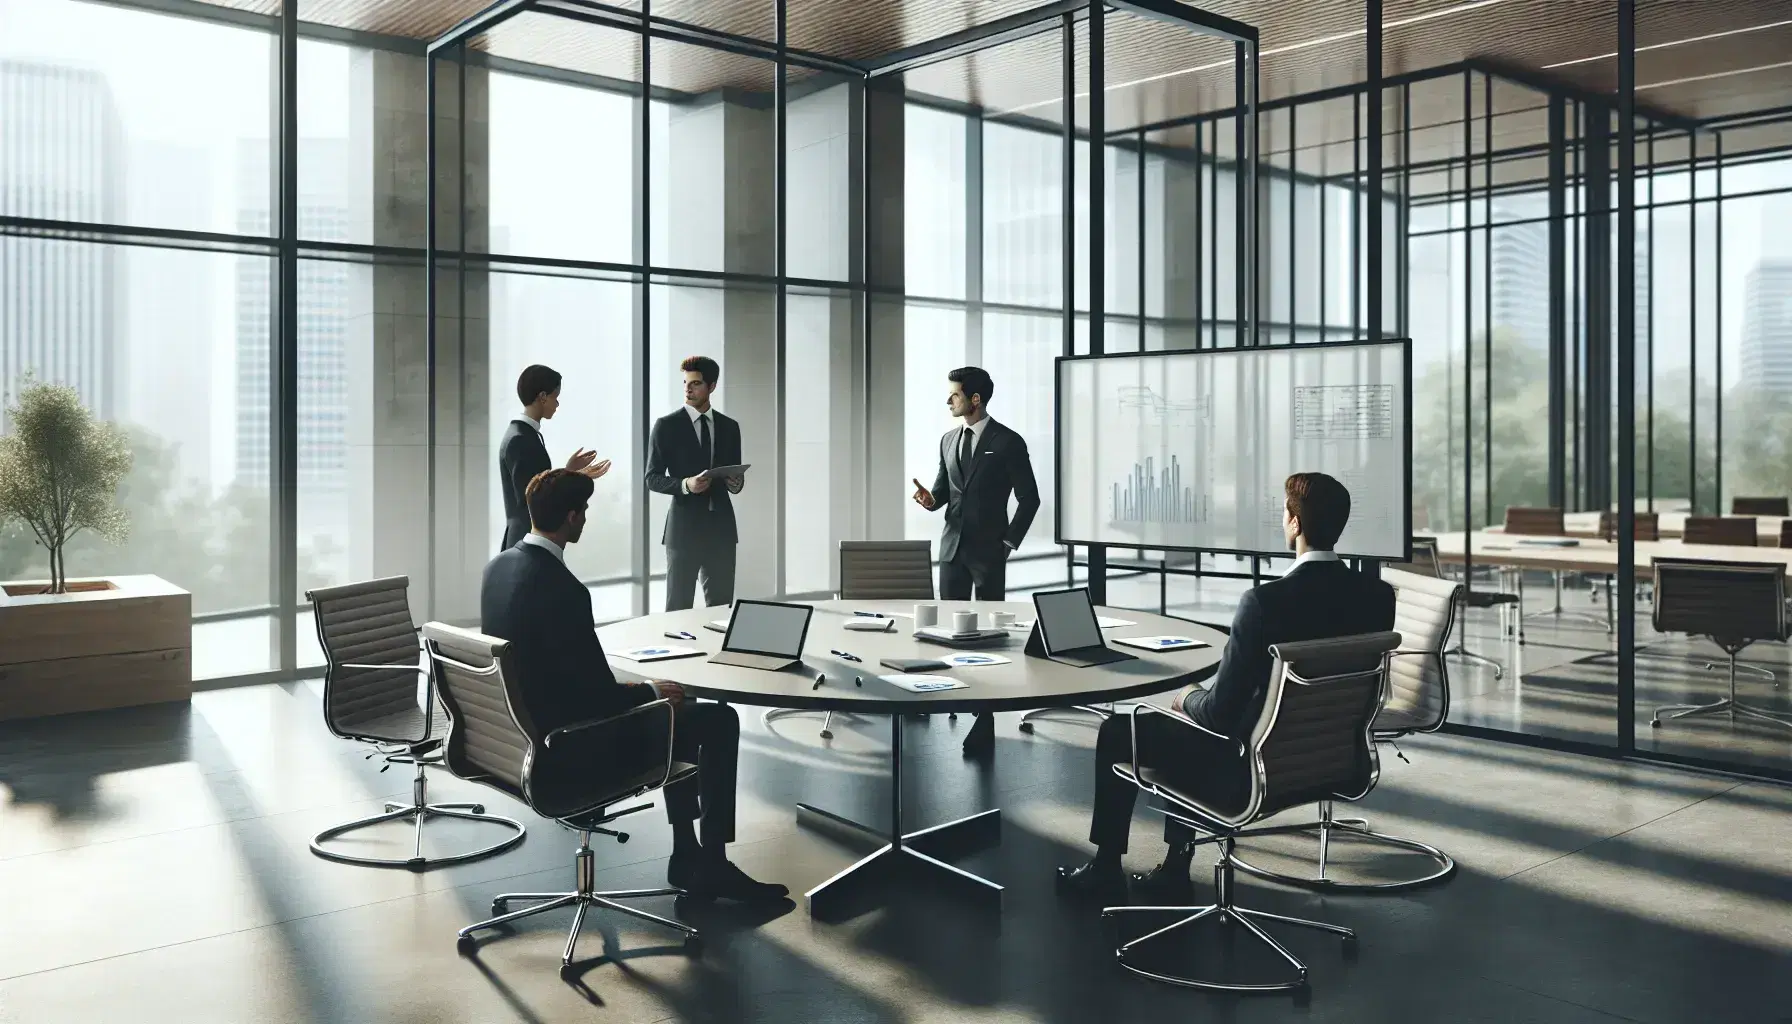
[(981, 464), (700, 534)]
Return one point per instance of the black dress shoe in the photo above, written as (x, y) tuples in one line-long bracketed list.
[(681, 869), (1094, 881), (981, 740), (721, 880), (1166, 885)]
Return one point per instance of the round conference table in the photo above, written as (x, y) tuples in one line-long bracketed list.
[(1024, 683)]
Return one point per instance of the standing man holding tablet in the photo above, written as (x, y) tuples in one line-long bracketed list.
[(700, 534), (522, 455), (982, 462)]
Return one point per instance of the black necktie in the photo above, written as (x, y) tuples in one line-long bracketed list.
[(964, 452), (709, 455)]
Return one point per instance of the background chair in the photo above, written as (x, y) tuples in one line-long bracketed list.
[(1425, 563), (1535, 522), (875, 570), (370, 695), (1311, 742), (1735, 531), (1645, 526), (1732, 603), (1761, 507), (573, 774), (1418, 701), (1524, 521)]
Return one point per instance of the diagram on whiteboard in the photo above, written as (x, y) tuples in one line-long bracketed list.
[(1190, 449)]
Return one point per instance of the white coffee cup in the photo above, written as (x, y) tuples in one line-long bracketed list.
[(927, 615), (964, 622), (1001, 620)]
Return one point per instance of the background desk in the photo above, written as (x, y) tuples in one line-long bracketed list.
[(1023, 684), (1598, 557)]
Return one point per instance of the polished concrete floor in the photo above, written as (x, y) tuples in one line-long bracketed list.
[(155, 868)]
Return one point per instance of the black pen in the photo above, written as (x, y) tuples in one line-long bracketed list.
[(819, 679), (871, 615), (680, 635), (845, 656)]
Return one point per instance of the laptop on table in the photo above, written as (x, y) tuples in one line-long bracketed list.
[(1068, 632), (765, 635)]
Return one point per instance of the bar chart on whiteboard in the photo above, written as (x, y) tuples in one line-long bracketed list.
[(1189, 450)]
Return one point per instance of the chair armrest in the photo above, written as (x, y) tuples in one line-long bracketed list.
[(614, 723), (1180, 716)]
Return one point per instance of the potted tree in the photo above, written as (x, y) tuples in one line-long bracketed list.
[(89, 643)]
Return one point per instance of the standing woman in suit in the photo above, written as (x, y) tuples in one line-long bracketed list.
[(982, 462), (522, 454), (700, 534)]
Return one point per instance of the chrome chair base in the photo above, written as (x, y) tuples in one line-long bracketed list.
[(1224, 910), (827, 718), (1749, 670), (419, 811), (1358, 830), (1100, 714), (581, 899), (1728, 705)]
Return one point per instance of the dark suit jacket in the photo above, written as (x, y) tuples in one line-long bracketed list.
[(1315, 601), (521, 456), (978, 530), (533, 600), (673, 453)]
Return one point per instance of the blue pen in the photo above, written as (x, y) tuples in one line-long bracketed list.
[(845, 656), (871, 615), (680, 635)]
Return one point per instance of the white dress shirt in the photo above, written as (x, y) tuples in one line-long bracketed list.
[(1313, 556), (691, 411), (532, 421), (542, 542)]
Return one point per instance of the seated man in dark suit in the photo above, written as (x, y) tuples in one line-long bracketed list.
[(1319, 597), (530, 598)]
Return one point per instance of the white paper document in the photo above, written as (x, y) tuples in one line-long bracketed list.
[(924, 684), (968, 660), (1161, 643), (655, 653)]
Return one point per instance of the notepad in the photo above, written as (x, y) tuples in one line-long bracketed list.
[(871, 625), (719, 625), (913, 664), (1161, 643), (924, 684), (657, 653)]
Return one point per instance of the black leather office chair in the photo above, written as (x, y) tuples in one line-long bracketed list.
[(574, 774), (1418, 702), (1732, 603), (1311, 742), (372, 664)]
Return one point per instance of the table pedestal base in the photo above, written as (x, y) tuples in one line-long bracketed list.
[(911, 855)]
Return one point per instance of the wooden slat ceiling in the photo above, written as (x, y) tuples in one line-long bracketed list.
[(1308, 45)]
